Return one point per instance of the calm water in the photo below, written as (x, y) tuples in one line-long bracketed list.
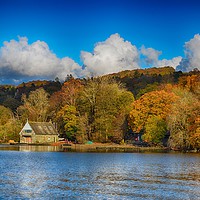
[(59, 175)]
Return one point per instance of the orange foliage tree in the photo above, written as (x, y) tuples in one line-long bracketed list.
[(62, 102), (191, 83), (66, 96), (152, 104)]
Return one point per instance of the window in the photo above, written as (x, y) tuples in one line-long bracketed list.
[(27, 131)]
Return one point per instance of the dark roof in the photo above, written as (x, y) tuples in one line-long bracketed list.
[(43, 128)]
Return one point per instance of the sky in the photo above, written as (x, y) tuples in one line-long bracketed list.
[(42, 39)]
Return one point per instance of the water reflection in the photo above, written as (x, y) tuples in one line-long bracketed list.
[(30, 148), (38, 148), (57, 175)]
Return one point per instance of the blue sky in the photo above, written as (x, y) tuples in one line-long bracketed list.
[(70, 27)]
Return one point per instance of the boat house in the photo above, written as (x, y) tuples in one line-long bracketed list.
[(38, 132)]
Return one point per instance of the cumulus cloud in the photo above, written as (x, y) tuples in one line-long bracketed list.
[(192, 55), (151, 58), (150, 55), (19, 59), (174, 62), (113, 55)]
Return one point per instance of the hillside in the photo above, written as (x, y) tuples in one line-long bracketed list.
[(137, 81)]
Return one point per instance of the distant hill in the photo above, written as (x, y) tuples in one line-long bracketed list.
[(138, 81), (149, 71)]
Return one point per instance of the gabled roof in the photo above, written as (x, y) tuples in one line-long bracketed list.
[(43, 128), (27, 126)]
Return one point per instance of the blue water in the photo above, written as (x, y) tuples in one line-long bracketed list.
[(59, 175)]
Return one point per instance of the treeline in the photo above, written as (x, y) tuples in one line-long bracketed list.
[(155, 104)]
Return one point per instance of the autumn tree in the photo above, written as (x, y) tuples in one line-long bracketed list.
[(149, 112), (181, 121), (70, 91), (62, 103), (191, 83), (155, 129), (67, 95), (35, 107), (87, 105), (9, 125), (105, 104), (68, 119)]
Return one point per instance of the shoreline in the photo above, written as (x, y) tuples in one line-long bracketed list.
[(111, 148), (89, 148)]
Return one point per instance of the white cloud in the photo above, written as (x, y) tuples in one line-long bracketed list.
[(192, 55), (112, 55), (20, 59), (150, 55), (174, 62), (151, 58)]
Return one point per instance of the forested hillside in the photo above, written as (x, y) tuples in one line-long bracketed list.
[(156, 104)]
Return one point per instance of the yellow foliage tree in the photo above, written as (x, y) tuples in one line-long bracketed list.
[(35, 106), (9, 126), (183, 121)]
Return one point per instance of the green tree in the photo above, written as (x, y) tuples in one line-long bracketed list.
[(155, 130), (148, 88), (69, 120)]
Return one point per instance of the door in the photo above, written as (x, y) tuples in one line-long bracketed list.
[(27, 139)]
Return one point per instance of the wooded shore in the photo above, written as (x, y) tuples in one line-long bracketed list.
[(90, 148)]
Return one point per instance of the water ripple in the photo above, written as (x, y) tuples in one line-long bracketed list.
[(56, 175)]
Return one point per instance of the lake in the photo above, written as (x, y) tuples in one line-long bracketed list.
[(61, 175)]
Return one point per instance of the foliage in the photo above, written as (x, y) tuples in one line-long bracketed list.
[(97, 108), (35, 107), (26, 88), (149, 113), (70, 91), (103, 100), (155, 130), (181, 121), (5, 115), (137, 80), (9, 126), (69, 120), (156, 103), (191, 83), (67, 95), (11, 103), (148, 88), (82, 128), (64, 99)]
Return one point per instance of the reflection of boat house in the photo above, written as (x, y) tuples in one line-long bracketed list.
[(38, 132)]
